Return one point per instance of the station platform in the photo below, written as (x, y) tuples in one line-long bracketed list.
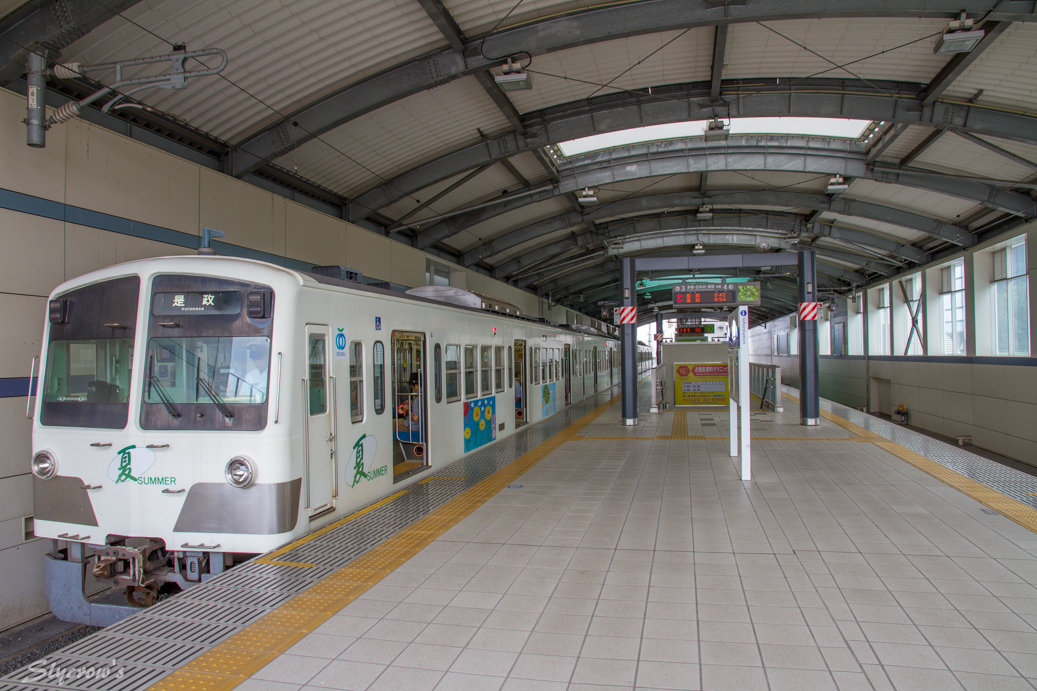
[(584, 554)]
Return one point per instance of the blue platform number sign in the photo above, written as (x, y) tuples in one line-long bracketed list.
[(341, 339), (377, 323)]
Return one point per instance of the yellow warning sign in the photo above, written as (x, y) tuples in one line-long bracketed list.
[(700, 383)]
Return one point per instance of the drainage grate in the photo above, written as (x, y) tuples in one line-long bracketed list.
[(105, 647), (192, 610), (201, 632), (66, 673)]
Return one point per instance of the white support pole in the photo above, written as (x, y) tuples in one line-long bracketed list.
[(744, 398), (734, 427)]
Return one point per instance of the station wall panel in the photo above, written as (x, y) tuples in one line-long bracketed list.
[(33, 259), (39, 172)]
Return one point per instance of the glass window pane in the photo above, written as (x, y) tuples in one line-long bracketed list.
[(498, 368), (95, 371), (437, 363), (356, 381), (379, 378), (453, 373), (317, 379), (1020, 318), (511, 367), (1001, 327), (486, 360), (470, 384)]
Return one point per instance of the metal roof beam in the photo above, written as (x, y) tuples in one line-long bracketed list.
[(717, 70), (889, 135), (47, 27), (475, 173), (961, 62), (881, 243), (922, 147), (990, 146)]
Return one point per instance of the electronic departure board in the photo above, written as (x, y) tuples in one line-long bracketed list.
[(695, 330), (712, 294)]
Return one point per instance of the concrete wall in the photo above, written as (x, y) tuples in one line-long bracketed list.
[(92, 198), (993, 399), (674, 353)]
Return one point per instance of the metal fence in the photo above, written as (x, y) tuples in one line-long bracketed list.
[(765, 382)]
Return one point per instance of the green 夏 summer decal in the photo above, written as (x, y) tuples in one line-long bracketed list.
[(364, 453), (748, 293), (131, 464)]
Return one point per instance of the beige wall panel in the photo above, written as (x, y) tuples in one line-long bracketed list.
[(250, 217), (129, 248), (82, 250), (113, 174), (408, 265), (38, 172), (89, 249), (369, 252), (23, 329), (32, 261), (311, 236), (16, 433), (15, 497), (21, 572)]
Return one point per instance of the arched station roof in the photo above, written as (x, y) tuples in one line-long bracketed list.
[(387, 112)]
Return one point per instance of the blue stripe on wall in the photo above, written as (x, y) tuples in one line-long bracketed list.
[(12, 387), (952, 359), (27, 204)]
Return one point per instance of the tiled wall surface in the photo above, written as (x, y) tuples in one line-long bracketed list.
[(94, 169)]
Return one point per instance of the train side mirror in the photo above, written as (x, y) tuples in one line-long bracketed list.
[(58, 311)]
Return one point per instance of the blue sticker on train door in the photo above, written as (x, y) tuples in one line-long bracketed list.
[(341, 339), (377, 323)]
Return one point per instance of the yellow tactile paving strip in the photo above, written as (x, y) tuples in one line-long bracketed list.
[(231, 662), (1022, 514)]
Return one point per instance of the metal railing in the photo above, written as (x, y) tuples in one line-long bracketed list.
[(765, 382)]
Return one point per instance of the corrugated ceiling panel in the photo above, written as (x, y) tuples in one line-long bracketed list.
[(1027, 150), (905, 143), (1006, 71), (477, 17), (518, 218), (898, 232), (285, 53), (953, 154), (755, 51), (484, 187), (760, 179), (681, 182), (919, 201), (533, 244), (577, 73), (393, 139), (527, 164), (408, 203)]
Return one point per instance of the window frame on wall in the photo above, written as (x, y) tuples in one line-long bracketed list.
[(471, 368), (454, 373), (485, 370), (883, 324), (1009, 292), (954, 327), (378, 376), (356, 382), (911, 286)]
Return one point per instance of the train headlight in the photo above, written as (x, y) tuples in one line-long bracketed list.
[(240, 473), (44, 465)]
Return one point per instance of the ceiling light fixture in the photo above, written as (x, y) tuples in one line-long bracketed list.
[(716, 131), (837, 185), (587, 197), (959, 37), (704, 213), (513, 78), (698, 249)]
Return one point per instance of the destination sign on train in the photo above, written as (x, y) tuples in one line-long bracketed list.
[(712, 294), (213, 302)]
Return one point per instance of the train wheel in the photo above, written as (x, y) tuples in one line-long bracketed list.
[(141, 596)]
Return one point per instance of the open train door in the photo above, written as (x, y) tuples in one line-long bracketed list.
[(519, 368), (320, 423), (410, 404)]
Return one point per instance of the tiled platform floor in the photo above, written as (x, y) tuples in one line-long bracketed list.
[(632, 558)]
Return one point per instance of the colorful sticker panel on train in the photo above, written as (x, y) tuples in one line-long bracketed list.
[(549, 400), (480, 422)]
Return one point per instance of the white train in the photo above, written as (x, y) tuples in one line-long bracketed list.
[(194, 411)]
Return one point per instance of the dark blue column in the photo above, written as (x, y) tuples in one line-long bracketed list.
[(809, 396), (628, 343)]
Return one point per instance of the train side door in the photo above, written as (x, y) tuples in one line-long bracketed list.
[(596, 366), (410, 404), (320, 424), (567, 374), (520, 383)]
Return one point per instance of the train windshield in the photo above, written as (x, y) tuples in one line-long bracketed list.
[(207, 363), (217, 370), (90, 356)]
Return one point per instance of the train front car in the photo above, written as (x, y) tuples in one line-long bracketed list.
[(155, 453)]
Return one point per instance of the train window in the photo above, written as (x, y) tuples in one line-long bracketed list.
[(437, 364), (453, 373), (544, 373), (511, 370), (553, 368), (470, 383), (356, 381), (558, 364), (318, 385), (534, 366), (379, 378), (486, 368), (498, 368)]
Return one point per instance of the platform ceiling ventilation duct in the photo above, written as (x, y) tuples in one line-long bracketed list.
[(36, 73)]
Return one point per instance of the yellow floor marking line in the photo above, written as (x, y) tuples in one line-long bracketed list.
[(231, 662), (271, 557), (1022, 514)]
